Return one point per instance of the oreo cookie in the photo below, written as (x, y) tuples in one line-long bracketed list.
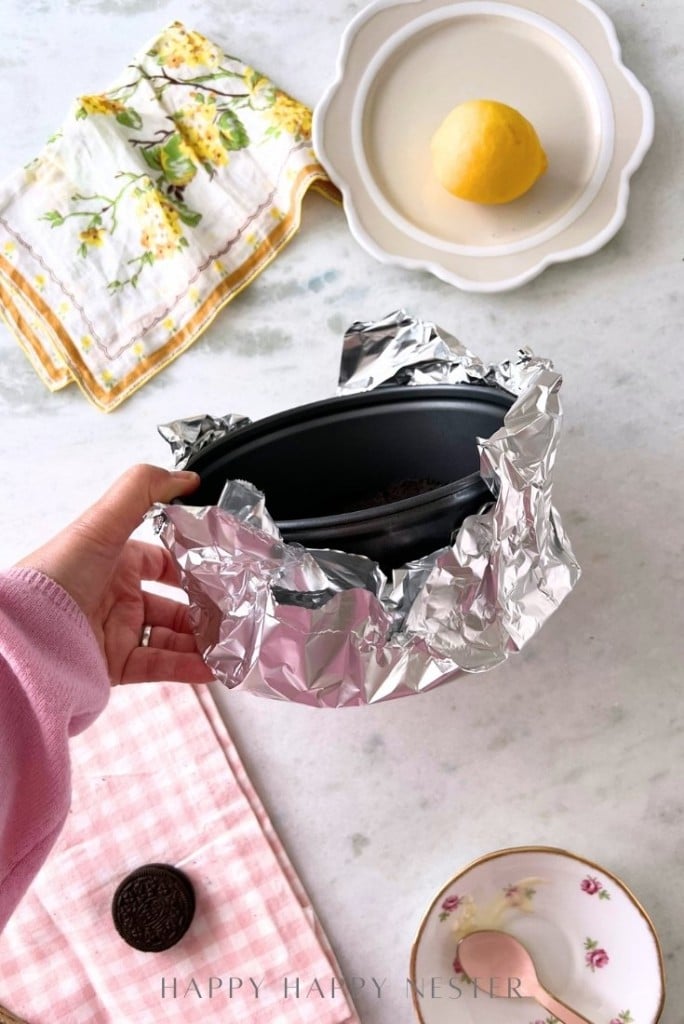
[(153, 907)]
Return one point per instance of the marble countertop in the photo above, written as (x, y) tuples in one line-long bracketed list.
[(576, 742)]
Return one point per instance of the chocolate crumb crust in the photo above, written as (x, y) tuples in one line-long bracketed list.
[(153, 907), (398, 491)]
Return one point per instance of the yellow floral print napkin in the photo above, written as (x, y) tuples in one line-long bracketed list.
[(155, 204)]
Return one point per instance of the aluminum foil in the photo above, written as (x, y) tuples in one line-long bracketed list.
[(189, 436), (327, 629)]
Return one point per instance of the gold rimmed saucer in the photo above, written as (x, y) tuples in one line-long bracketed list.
[(592, 942)]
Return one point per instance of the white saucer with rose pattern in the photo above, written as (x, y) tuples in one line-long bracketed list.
[(593, 944)]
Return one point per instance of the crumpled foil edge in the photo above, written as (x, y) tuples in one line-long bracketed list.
[(327, 629)]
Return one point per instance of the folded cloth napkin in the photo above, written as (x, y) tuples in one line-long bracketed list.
[(155, 204), (157, 779)]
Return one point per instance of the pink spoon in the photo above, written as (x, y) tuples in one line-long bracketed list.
[(502, 967)]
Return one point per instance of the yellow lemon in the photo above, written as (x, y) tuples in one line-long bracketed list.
[(487, 152)]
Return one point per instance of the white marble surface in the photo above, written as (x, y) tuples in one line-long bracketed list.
[(577, 742)]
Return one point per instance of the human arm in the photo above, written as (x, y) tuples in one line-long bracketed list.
[(71, 619), (53, 683)]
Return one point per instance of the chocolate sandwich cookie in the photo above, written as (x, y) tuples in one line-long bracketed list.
[(153, 907)]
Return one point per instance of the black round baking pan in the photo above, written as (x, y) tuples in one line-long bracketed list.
[(389, 473)]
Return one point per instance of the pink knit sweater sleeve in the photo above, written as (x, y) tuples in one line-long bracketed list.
[(53, 683)]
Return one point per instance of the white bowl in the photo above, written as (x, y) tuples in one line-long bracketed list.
[(404, 65)]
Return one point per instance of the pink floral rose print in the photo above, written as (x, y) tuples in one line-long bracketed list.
[(452, 903), (623, 1018), (457, 966), (519, 896), (448, 904), (595, 957), (592, 886)]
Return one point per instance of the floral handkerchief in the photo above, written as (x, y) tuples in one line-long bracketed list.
[(155, 204)]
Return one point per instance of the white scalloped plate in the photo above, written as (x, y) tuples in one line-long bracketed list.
[(403, 65), (593, 944)]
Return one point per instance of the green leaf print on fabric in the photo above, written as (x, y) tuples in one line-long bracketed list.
[(233, 132), (176, 163), (129, 118), (151, 156), (204, 97)]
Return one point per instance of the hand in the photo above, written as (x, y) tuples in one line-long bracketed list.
[(103, 570)]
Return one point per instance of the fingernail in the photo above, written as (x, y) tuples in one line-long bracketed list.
[(186, 474)]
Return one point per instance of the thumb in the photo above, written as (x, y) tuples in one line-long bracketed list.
[(112, 519)]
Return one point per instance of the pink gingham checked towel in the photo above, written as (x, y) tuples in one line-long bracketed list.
[(157, 778)]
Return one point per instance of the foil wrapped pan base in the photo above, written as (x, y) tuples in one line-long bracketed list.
[(327, 628)]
